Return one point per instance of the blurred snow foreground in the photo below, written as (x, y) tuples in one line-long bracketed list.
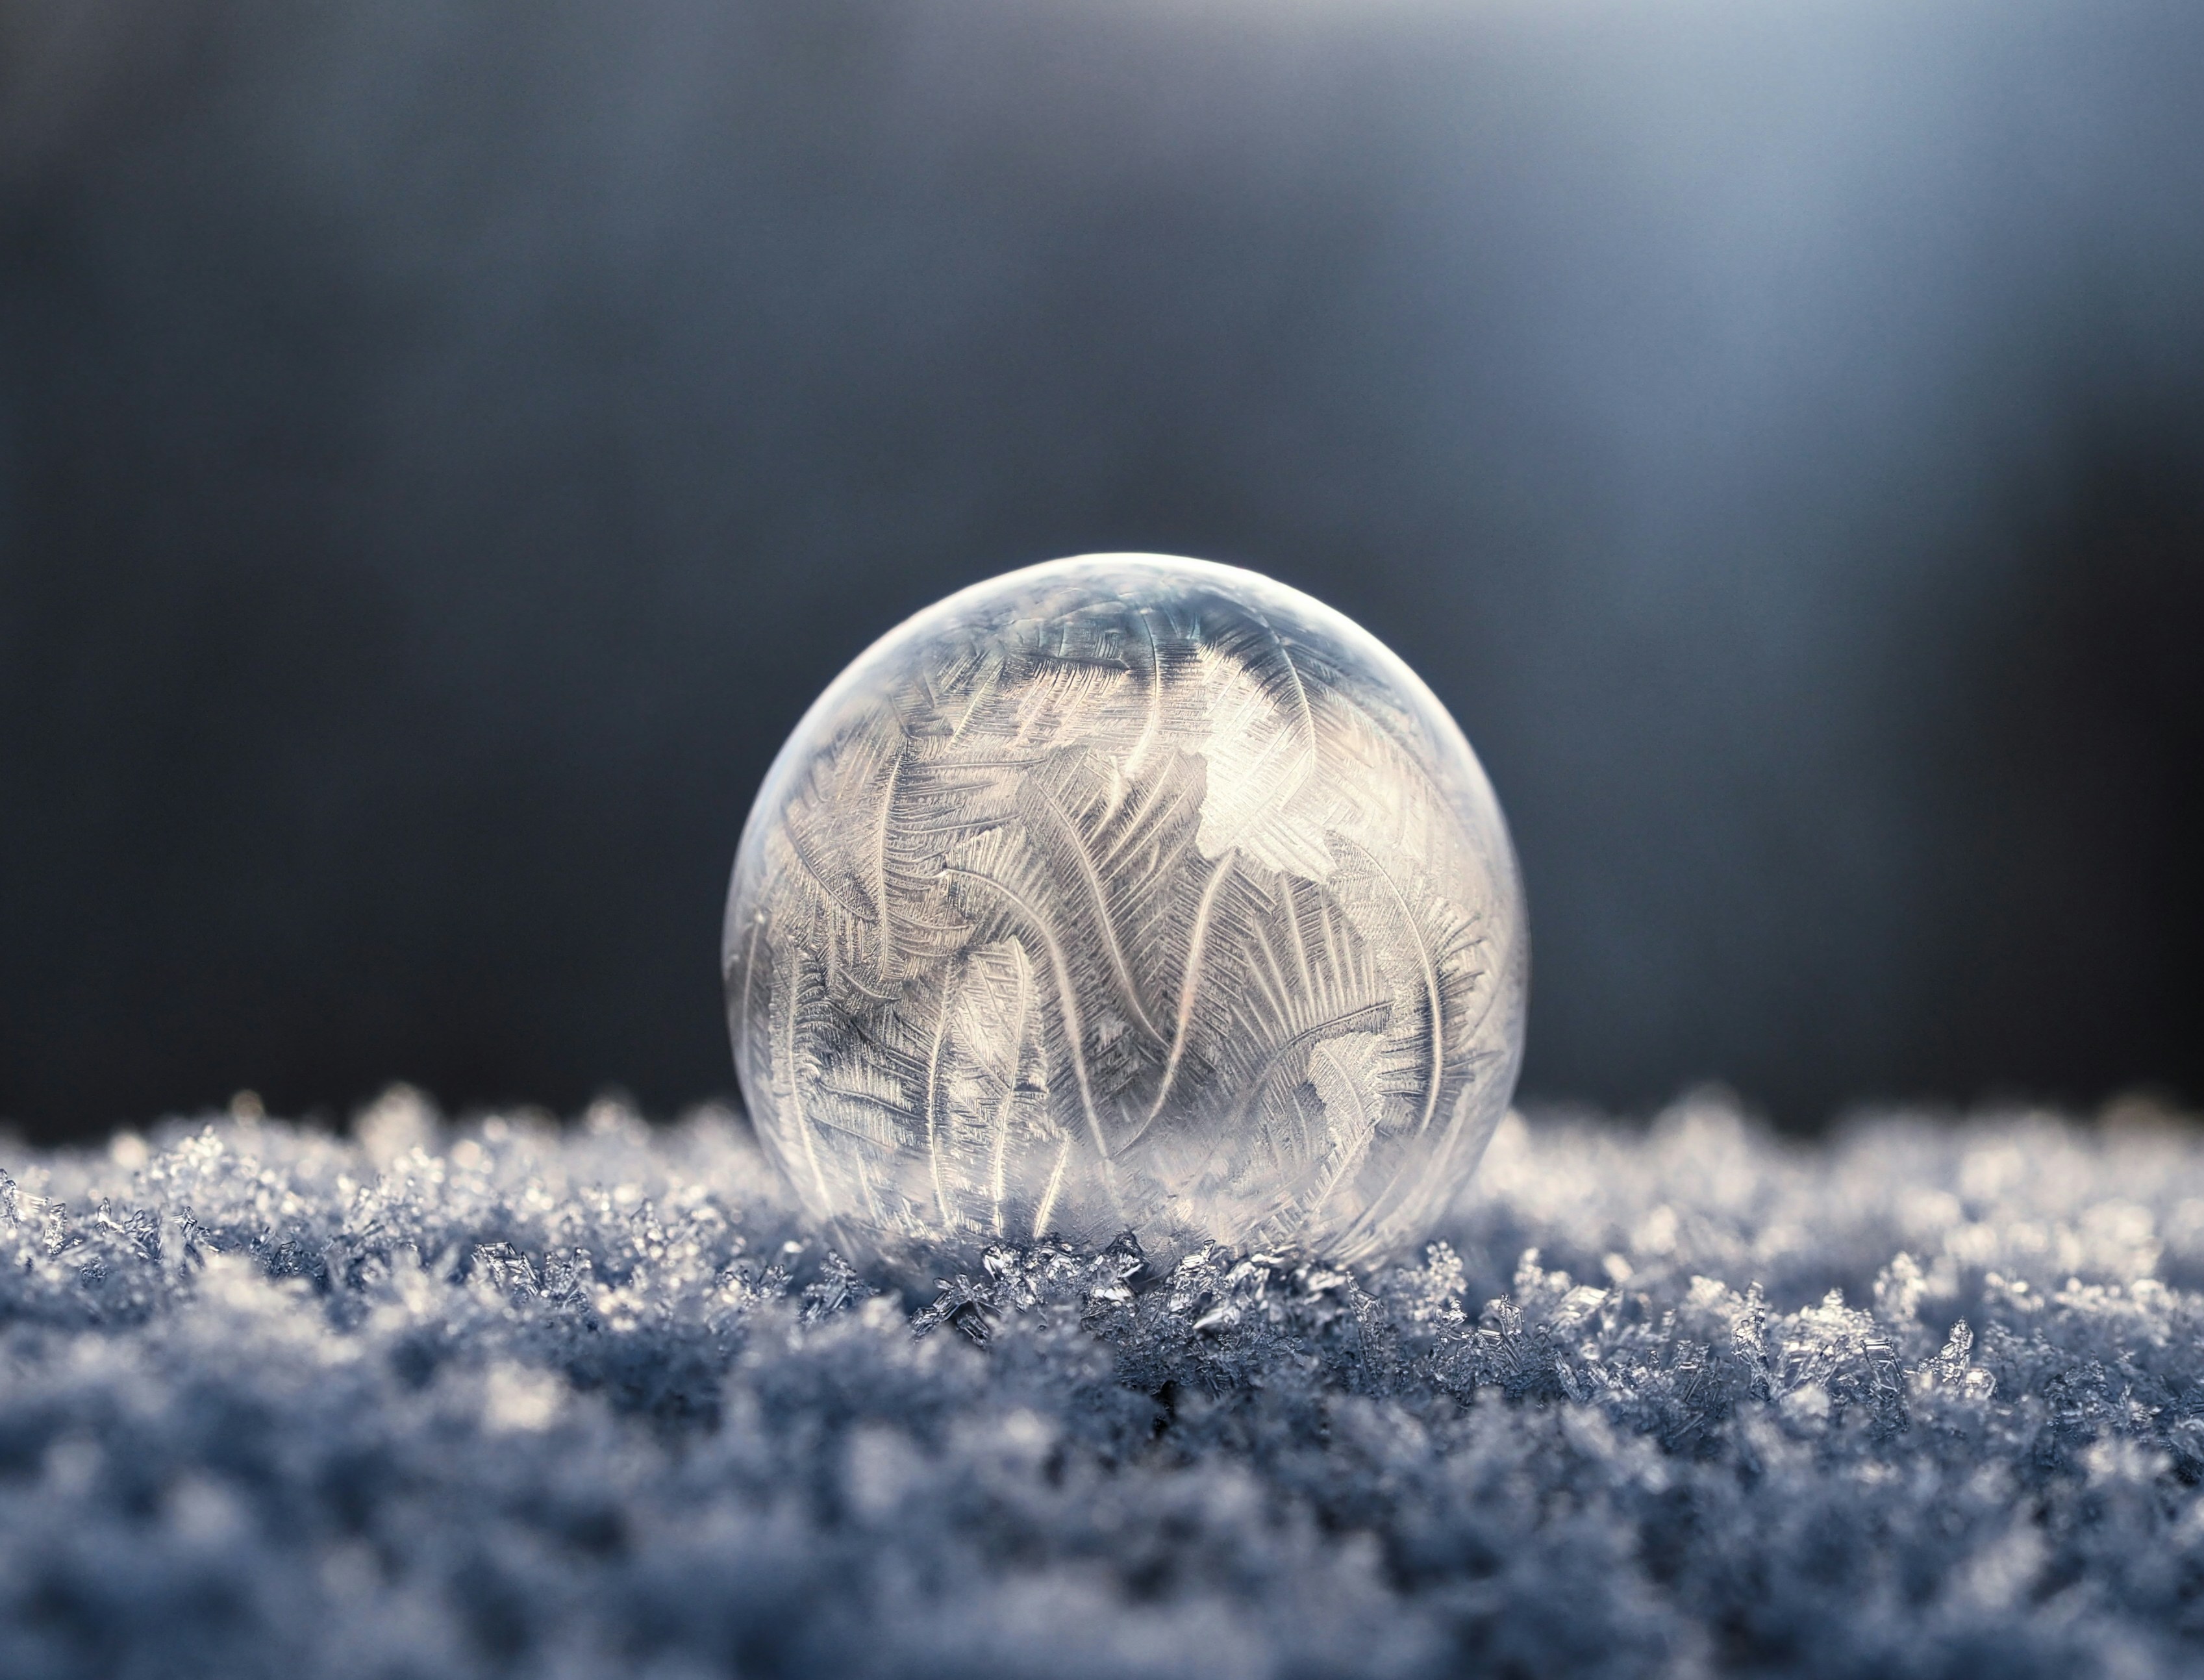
[(506, 1398)]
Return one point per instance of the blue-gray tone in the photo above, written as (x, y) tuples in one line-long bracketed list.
[(443, 448), (507, 1400)]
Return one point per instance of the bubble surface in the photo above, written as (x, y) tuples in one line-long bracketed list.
[(1126, 893)]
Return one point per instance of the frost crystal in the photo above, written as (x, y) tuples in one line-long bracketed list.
[(513, 1400), (1126, 894)]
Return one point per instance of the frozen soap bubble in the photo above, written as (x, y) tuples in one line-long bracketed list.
[(1126, 893)]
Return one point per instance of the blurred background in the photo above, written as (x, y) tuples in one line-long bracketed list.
[(443, 448)]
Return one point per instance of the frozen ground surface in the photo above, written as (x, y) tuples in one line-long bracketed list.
[(509, 1399)]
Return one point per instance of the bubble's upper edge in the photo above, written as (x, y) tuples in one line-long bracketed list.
[(1228, 579)]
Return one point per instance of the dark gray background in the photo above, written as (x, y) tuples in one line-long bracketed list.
[(442, 448)]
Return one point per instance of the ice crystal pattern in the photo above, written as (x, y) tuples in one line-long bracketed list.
[(509, 1402), (1126, 894)]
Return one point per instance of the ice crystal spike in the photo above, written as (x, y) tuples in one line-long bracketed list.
[(1126, 894)]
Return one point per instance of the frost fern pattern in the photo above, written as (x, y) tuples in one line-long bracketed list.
[(1126, 894)]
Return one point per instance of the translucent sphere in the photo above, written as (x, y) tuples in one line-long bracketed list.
[(1126, 893)]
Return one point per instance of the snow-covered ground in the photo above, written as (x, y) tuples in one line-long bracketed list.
[(506, 1398)]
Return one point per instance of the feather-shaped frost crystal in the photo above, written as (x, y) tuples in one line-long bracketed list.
[(1126, 894)]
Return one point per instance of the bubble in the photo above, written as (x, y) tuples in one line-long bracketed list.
[(1126, 893)]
